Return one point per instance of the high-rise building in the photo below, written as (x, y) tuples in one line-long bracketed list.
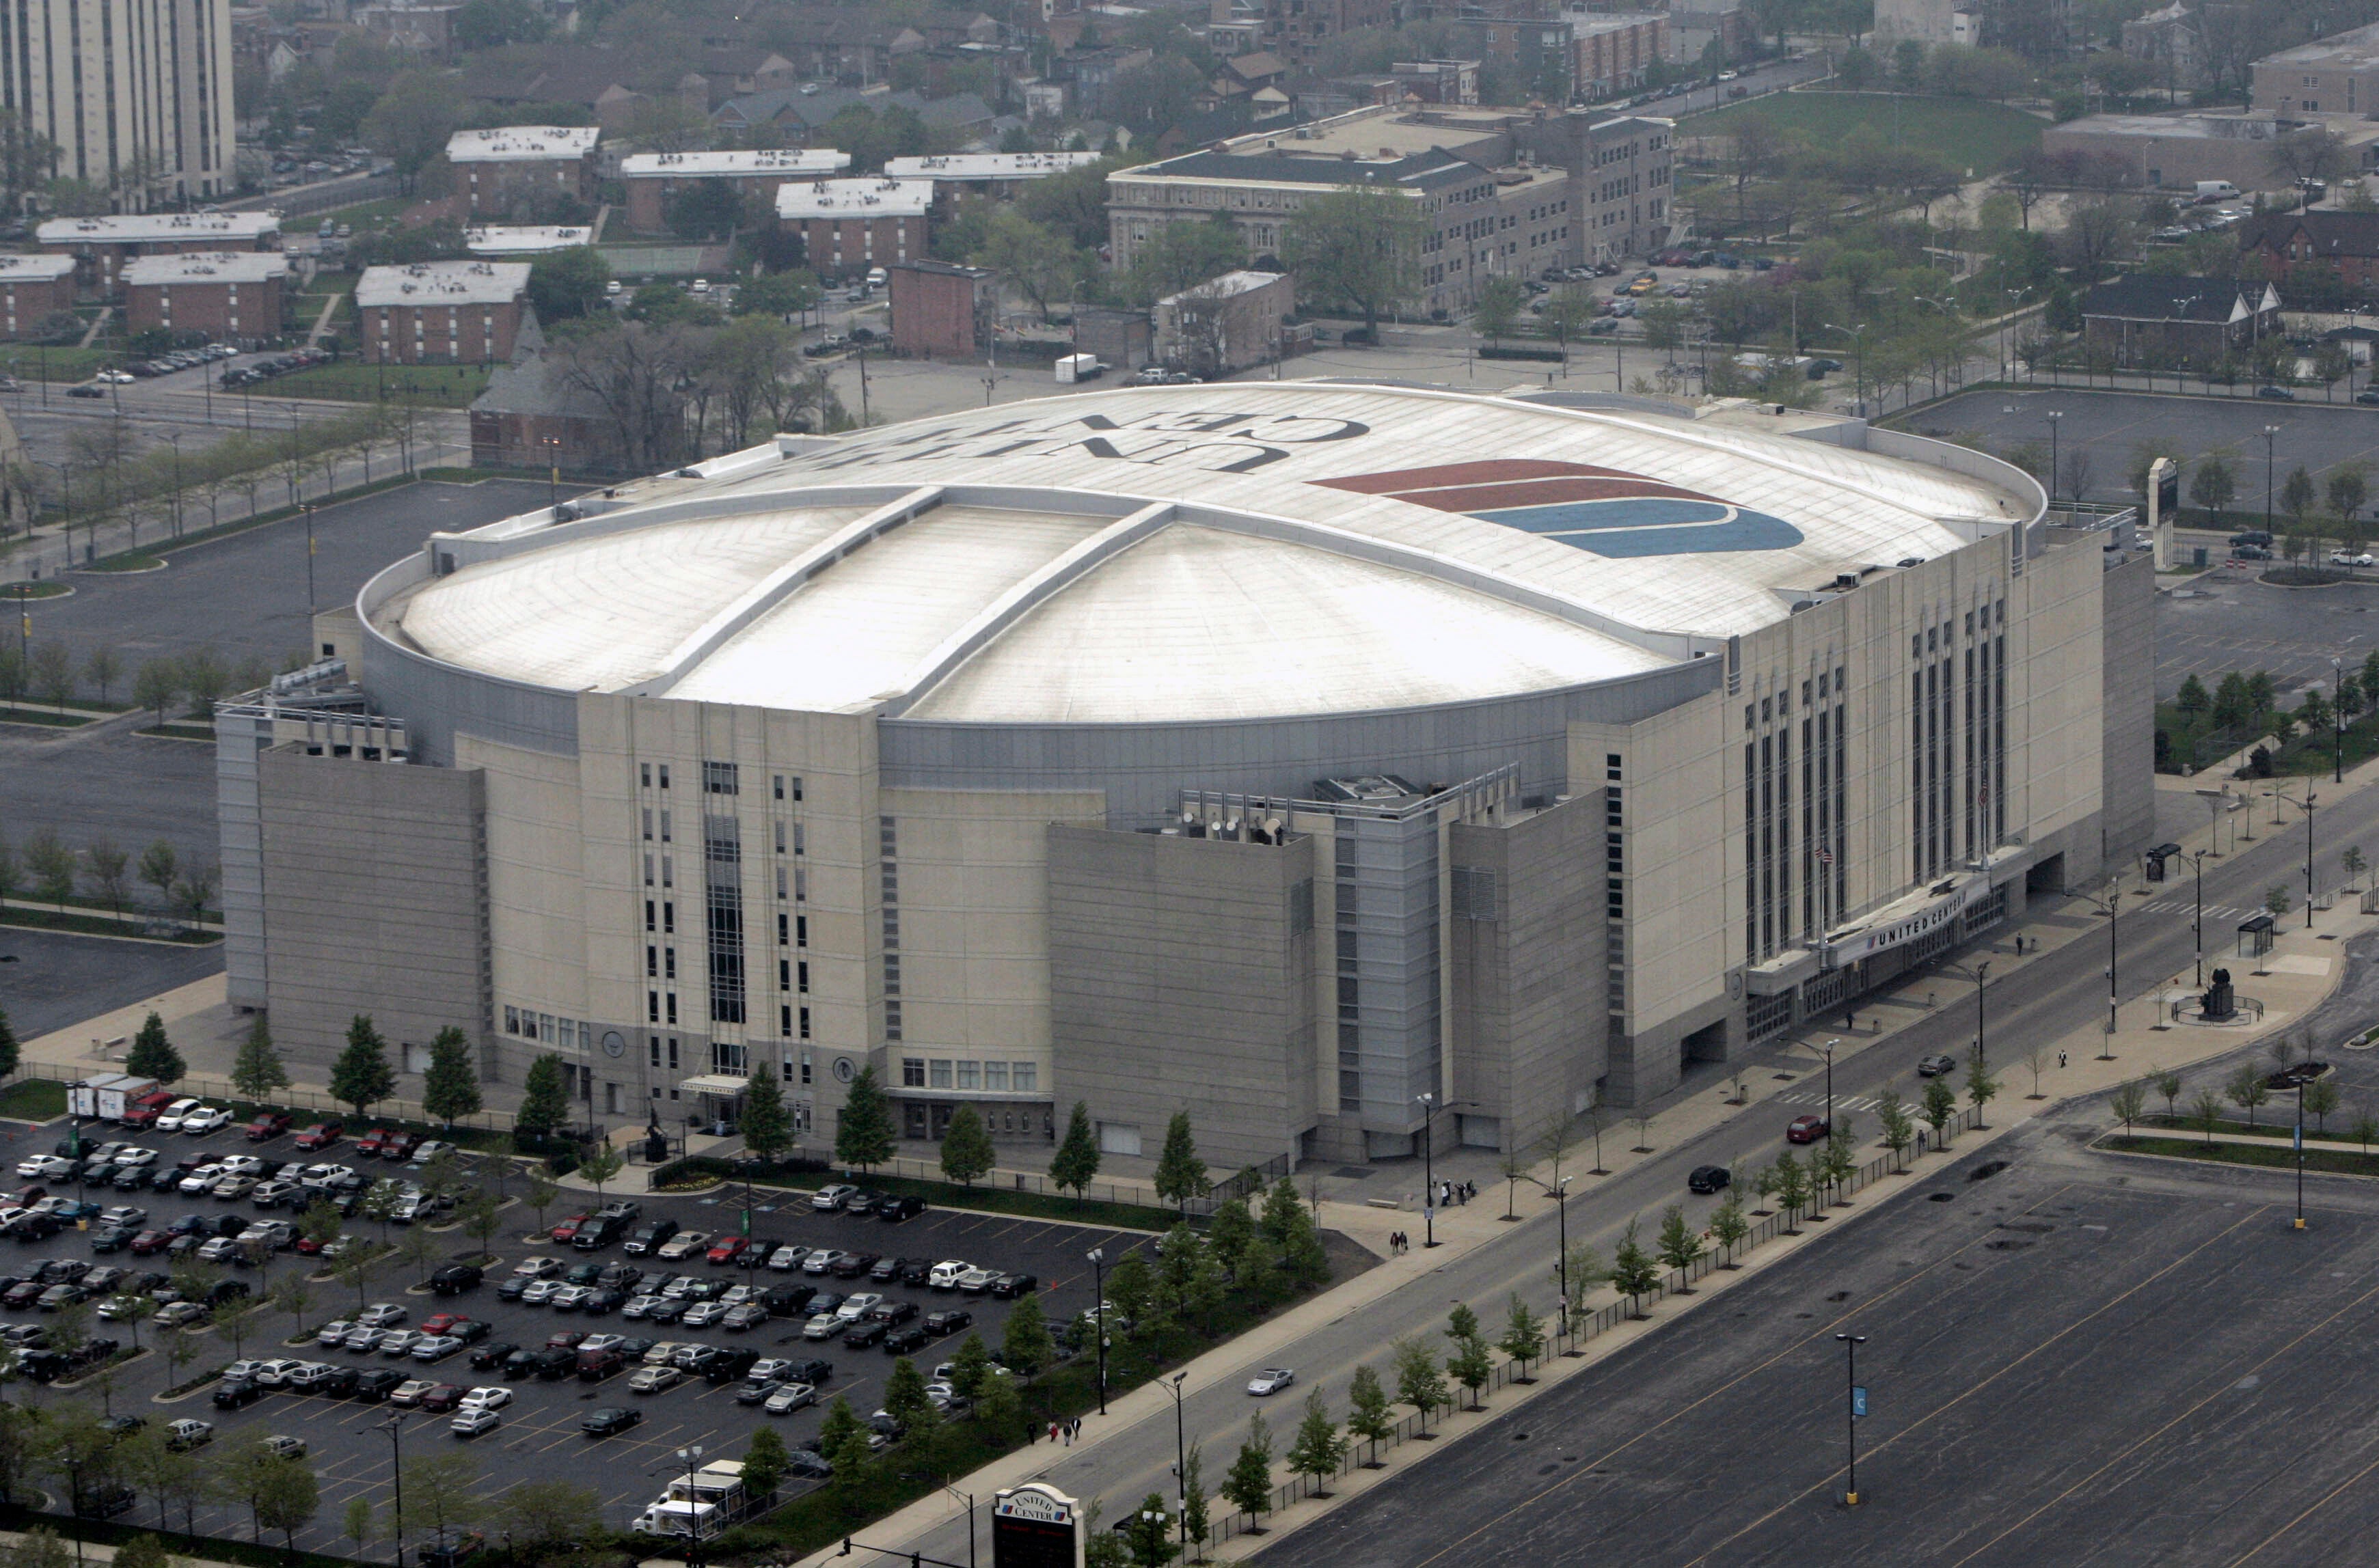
[(135, 94)]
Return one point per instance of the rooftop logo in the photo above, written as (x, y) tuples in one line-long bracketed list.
[(1605, 512)]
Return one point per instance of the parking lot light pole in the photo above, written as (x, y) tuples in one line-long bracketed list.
[(2336, 720), (2197, 921), (1982, 973), (1829, 1049), (1098, 1256), (395, 1427), (2056, 420), (1561, 1201), (1427, 1104), (2271, 434), (1850, 1343), (1181, 1455), (2310, 798), (2300, 1224)]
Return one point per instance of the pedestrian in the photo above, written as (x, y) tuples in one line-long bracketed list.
[(1077, 1427), (1053, 1431), (2060, 1061), (1066, 1434)]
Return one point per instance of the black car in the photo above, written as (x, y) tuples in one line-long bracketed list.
[(236, 1395), (488, 1357), (906, 1341), (865, 1336), (854, 1264), (619, 1277), (103, 1501), (602, 1301), (893, 1211), (456, 1278), (556, 1364), (522, 1363), (814, 1372), (889, 1270), (705, 1356), (946, 1324), (786, 1300), (376, 1385), (1007, 1287), (611, 1419), (892, 1314), (756, 1253), (807, 1465), (729, 1366), (513, 1287), (1708, 1179), (341, 1383), (916, 1271), (649, 1237)]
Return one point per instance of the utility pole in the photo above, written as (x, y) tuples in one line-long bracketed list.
[(1855, 1407)]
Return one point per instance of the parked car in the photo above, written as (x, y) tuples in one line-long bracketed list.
[(1805, 1129), (322, 1135), (610, 1420), (1936, 1067), (1271, 1380), (1708, 1179)]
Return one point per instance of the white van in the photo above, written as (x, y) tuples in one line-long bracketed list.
[(2215, 190)]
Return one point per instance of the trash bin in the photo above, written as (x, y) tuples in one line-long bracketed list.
[(2197, 556)]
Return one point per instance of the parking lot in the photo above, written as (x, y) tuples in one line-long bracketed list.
[(349, 1439)]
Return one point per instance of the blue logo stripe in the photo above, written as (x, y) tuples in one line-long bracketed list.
[(1636, 526)]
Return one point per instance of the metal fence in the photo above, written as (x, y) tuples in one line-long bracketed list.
[(1583, 1328)]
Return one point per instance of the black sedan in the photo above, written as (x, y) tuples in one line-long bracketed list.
[(609, 1420), (1936, 1067), (1708, 1179)]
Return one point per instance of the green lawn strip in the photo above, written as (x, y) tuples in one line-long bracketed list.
[(49, 590), (950, 1195), (34, 1100), (352, 381), (203, 1549), (2283, 1128), (225, 530), (94, 925), (58, 364), (49, 717), (128, 561), (2333, 1161), (1969, 132)]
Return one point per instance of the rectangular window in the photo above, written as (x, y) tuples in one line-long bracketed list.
[(669, 872), (664, 775), (969, 1075), (803, 1017), (669, 917), (941, 1072), (1024, 1077), (781, 837), (653, 1044), (672, 1053), (785, 1019), (668, 963), (652, 1006), (800, 931), (913, 1072), (512, 1018), (784, 975), (644, 768), (649, 914), (782, 927), (652, 961), (665, 825), (718, 778), (994, 1077), (671, 1000), (806, 1064), (545, 1028), (648, 822), (801, 977), (648, 871)]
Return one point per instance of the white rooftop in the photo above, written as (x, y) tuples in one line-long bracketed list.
[(764, 161), (525, 239), (36, 265), (1142, 555), (206, 267), (443, 282), (987, 165), (870, 197), (139, 227), (514, 144), (1241, 282)]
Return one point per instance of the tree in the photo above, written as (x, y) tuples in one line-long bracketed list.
[(865, 1131), (603, 1163), (2167, 1082), (970, 1368), (1248, 1485), (2319, 1098), (967, 1154), (142, 1551), (360, 1526), (2214, 485), (2348, 490), (152, 1055), (49, 673), (1037, 261), (1195, 1523), (1147, 1533), (257, 1071), (1358, 246), (1368, 1414), (1318, 1449), (1981, 1087), (572, 281), (2206, 1114), (2247, 1089), (449, 1089), (539, 1192), (1500, 299), (1792, 1190), (51, 865), (1177, 256), (842, 1440), (159, 867), (156, 684), (1680, 1246), (2352, 864), (1131, 1285), (905, 1394), (784, 294), (1076, 1162), (8, 1053), (414, 120), (1420, 1381), (545, 1100), (1181, 1175), (106, 872), (361, 1077), (1899, 1127), (1524, 1336), (1024, 1343), (767, 1125), (438, 1493), (1469, 1363), (196, 886), (549, 1518), (2298, 494), (2129, 1101), (1728, 1226), (288, 1498)]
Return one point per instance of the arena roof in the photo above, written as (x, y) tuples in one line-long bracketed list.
[(1225, 551)]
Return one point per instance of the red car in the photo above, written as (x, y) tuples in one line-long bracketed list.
[(397, 1145), (373, 1142), (566, 1340), (444, 1397), (322, 1135), (1806, 1129), (145, 1111), (150, 1242), (272, 1124), (569, 1227), (728, 1250), (440, 1322)]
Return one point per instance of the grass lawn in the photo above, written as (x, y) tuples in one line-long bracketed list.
[(2277, 1156), (450, 386), (95, 925), (129, 561), (993, 1199), (37, 591), (362, 214), (34, 1099), (1969, 132), (49, 716), (57, 364)]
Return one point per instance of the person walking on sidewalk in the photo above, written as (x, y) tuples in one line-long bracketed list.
[(2060, 1061)]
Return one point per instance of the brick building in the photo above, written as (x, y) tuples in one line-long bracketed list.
[(653, 178), (493, 167), (443, 312), (1226, 323), (1609, 53), (852, 225), (1290, 28), (227, 294), (32, 288), (2162, 321), (2348, 241), (998, 174), (101, 247), (535, 416), (940, 310)]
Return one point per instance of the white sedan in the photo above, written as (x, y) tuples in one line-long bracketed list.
[(684, 1244), (494, 1397), (1271, 1379), (471, 1420), (50, 1168), (205, 1119), (170, 1119), (790, 1398)]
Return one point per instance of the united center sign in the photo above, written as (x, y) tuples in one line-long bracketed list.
[(1036, 1525)]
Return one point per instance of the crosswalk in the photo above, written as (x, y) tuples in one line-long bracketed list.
[(2189, 906), (1818, 1097)]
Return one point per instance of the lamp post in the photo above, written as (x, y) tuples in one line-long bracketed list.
[(1181, 1462), (1427, 1104), (2055, 417), (2299, 1141), (2310, 798), (1982, 974), (2337, 719), (1561, 1201), (690, 1456), (2271, 434), (1829, 1049), (306, 510), (2114, 894), (1858, 361), (1098, 1256), (1850, 1343), (553, 445), (395, 1427), (2197, 920)]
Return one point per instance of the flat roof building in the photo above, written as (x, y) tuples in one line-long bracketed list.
[(102, 245), (33, 287), (2338, 75), (495, 167), (443, 312), (652, 178), (993, 174), (849, 226), (1279, 751), (526, 239), (228, 295)]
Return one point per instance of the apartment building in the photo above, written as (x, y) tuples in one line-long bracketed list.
[(136, 94)]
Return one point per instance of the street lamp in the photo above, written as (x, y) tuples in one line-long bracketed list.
[(2337, 719), (1427, 1104), (306, 510), (2310, 798), (1181, 1458), (1561, 1199), (553, 445), (1098, 1256), (1982, 974), (2055, 417), (395, 1427), (1850, 1343), (1858, 360), (2299, 1141), (690, 1456), (2197, 921), (1829, 1049), (2271, 434), (965, 1497)]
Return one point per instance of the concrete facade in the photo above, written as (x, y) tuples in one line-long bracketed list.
[(2338, 75), (1226, 323), (118, 84)]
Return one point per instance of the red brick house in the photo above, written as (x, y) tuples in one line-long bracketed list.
[(653, 178), (2348, 241), (227, 294), (32, 288), (851, 225), (101, 247), (939, 310), (443, 312), (492, 166)]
